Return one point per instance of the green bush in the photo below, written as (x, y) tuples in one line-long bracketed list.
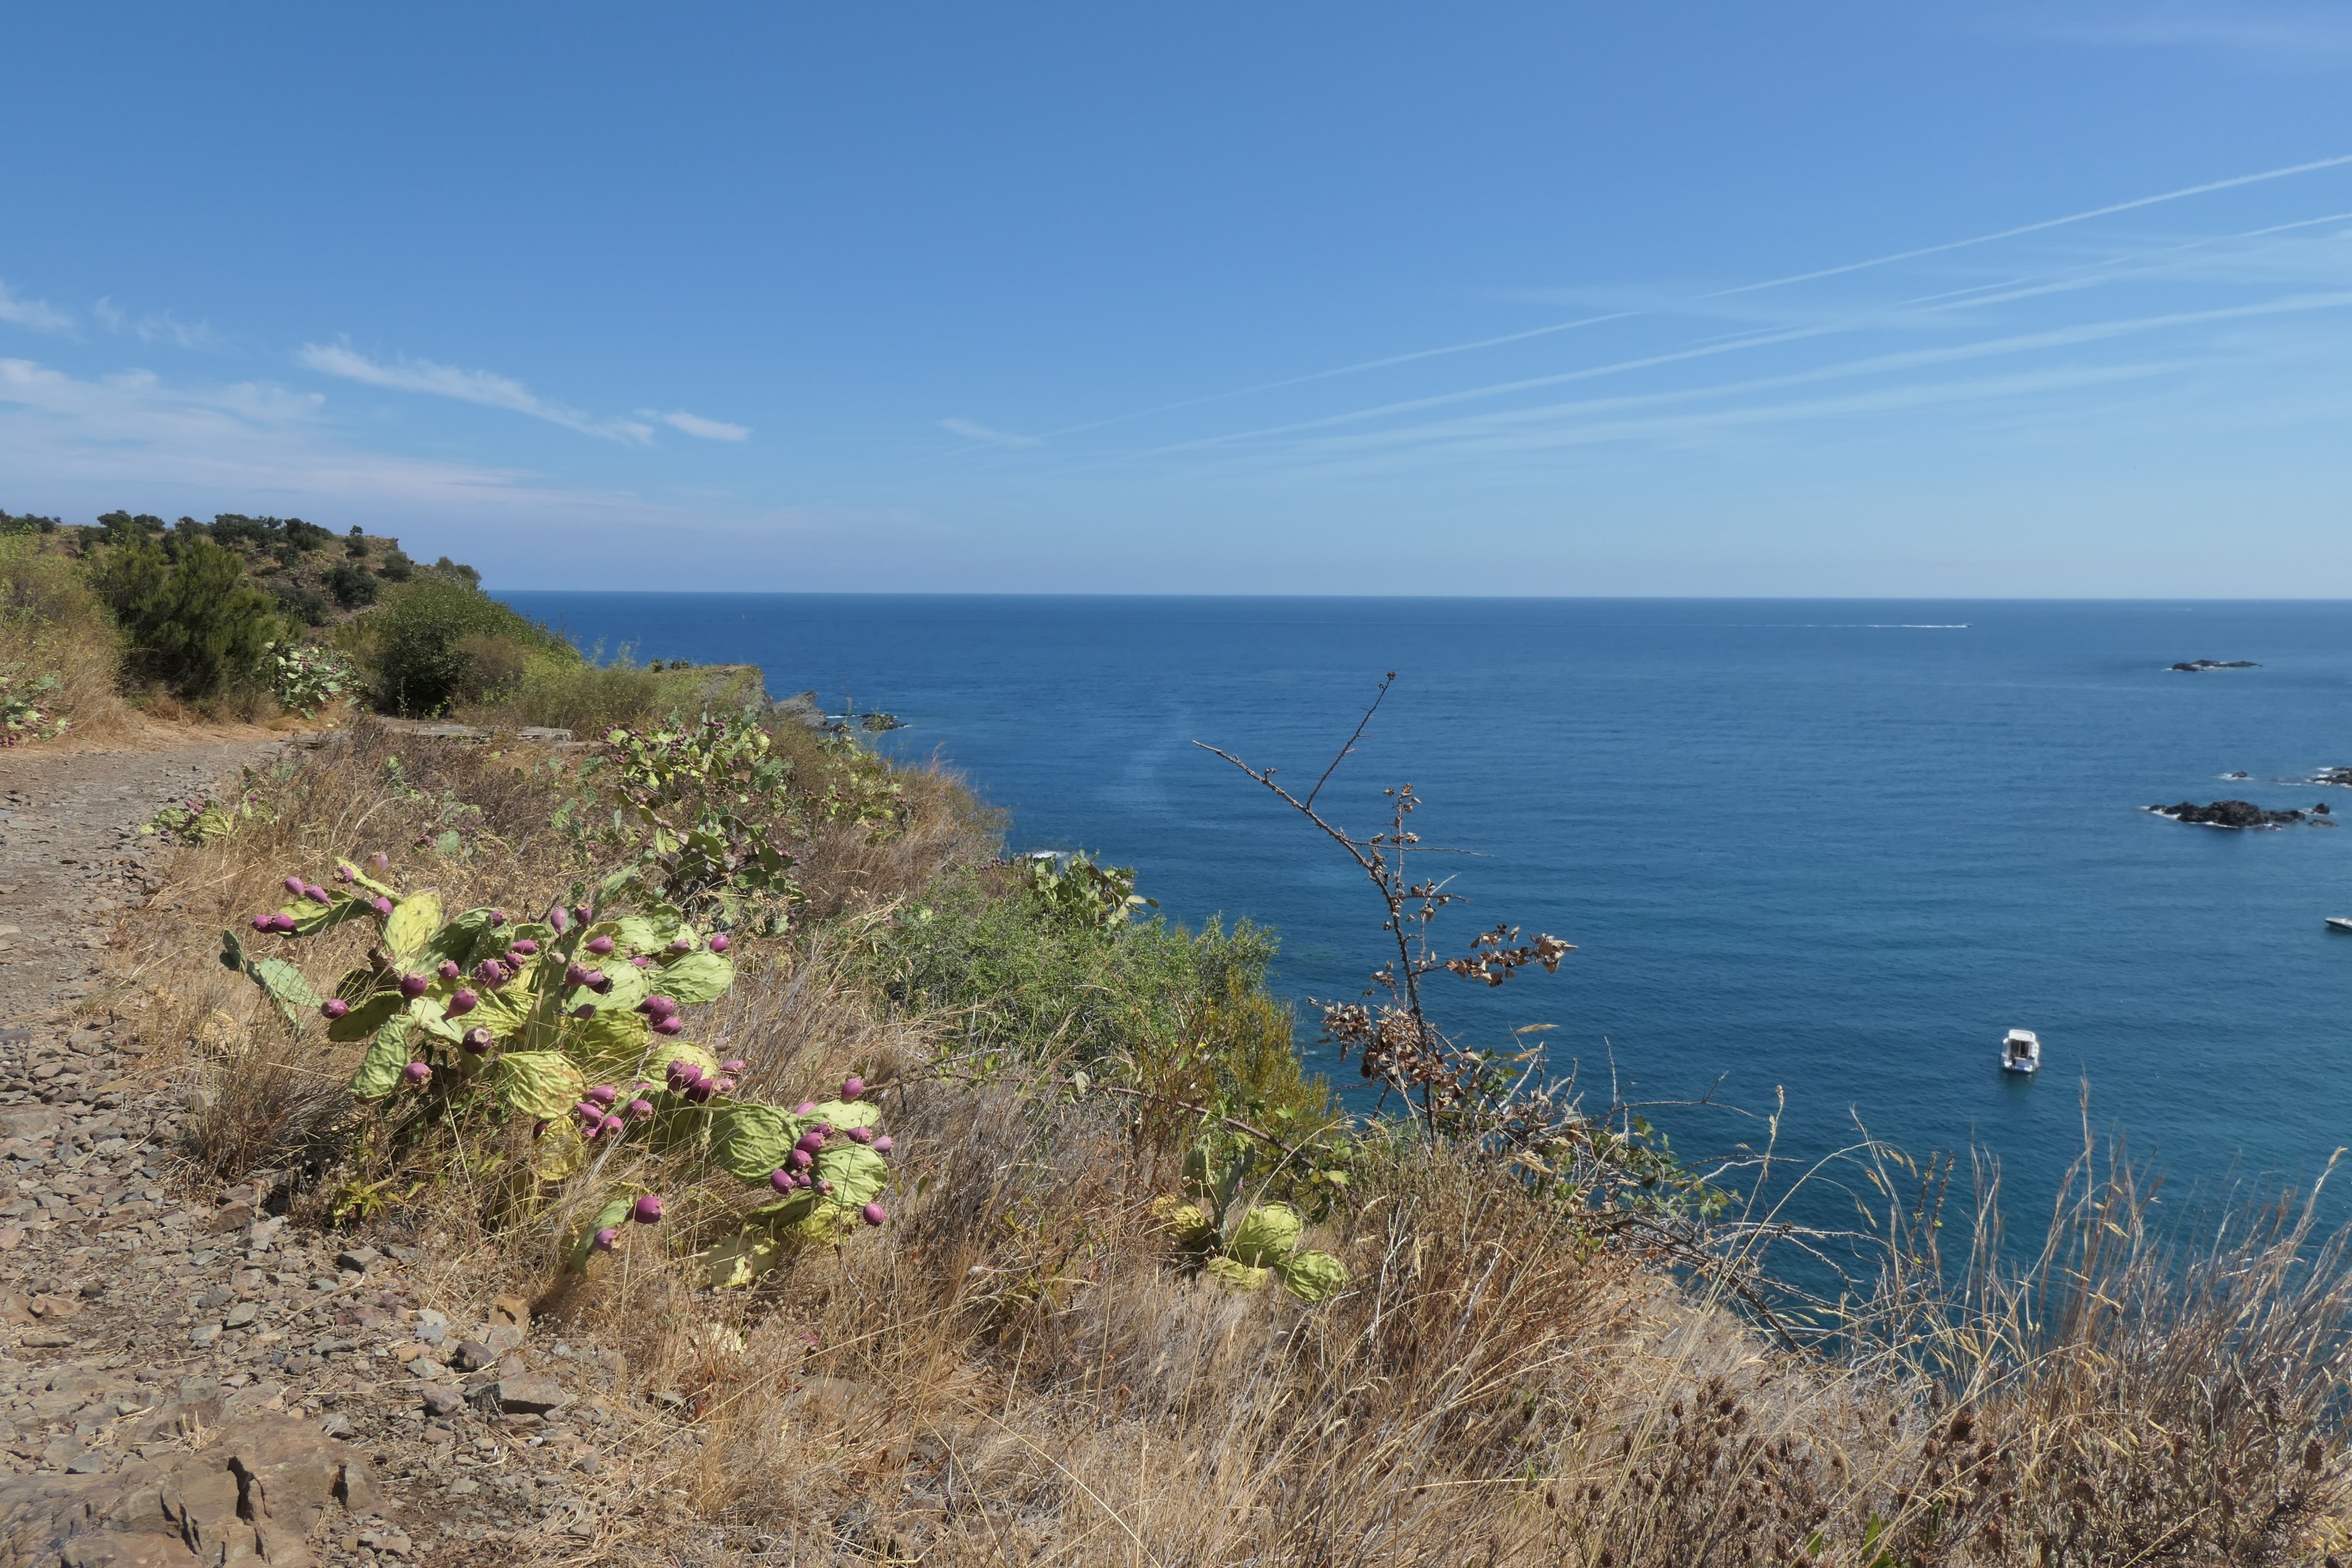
[(424, 650), (352, 585), (1180, 1012), (190, 619)]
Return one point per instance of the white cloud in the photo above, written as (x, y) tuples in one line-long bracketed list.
[(156, 327), (972, 431), (478, 386), (238, 441), (38, 314), (696, 424)]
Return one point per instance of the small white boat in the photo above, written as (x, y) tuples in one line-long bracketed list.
[(2339, 923), (2021, 1051)]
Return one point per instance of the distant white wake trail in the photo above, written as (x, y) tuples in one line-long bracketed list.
[(1361, 366)]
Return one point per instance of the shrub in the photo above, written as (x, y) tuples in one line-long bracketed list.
[(355, 544), (191, 619), (296, 603), (57, 643), (417, 646), (352, 585), (27, 523)]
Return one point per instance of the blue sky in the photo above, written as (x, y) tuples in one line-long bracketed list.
[(1800, 298)]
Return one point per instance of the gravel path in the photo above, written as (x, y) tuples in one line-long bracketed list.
[(182, 1379)]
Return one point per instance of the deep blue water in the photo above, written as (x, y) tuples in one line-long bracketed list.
[(1831, 847)]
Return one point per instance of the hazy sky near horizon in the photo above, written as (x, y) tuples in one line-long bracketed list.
[(1506, 298)]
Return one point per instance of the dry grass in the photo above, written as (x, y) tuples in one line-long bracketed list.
[(1013, 1372), (50, 623)]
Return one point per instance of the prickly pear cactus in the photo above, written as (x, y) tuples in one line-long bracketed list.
[(571, 1024), (1241, 1245)]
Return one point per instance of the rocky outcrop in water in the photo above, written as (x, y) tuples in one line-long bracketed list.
[(2192, 665), (2237, 813)]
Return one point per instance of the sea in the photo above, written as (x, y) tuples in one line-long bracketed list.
[(1815, 856)]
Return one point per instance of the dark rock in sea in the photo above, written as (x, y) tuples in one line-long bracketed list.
[(803, 710), (2227, 813), (2341, 777), (2236, 775), (2193, 665)]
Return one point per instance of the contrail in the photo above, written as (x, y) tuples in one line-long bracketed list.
[(1349, 370), (1476, 343), (2037, 227)]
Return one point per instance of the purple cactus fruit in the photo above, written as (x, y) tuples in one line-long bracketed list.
[(342, 873), (318, 895), (805, 1107), (861, 1135), (723, 1085), (700, 1090), (282, 923), (558, 919), (781, 1179), (583, 1011), (657, 1007), (600, 945), (669, 1026), (294, 885), (719, 942), (683, 944), (417, 1072), (647, 1210), (334, 1008), (600, 982), (641, 961), (582, 913), (607, 1238), (540, 1126), (852, 1088), (882, 1144), (414, 986), (812, 1141), (497, 916), (822, 1129), (380, 905), (490, 972), (639, 1108), (588, 1110), (381, 861), (448, 969), (613, 1125), (575, 974), (604, 1094), (476, 1040), (524, 945), (735, 1064), (264, 923), (875, 1213), (460, 1003), (801, 1159), (825, 1187)]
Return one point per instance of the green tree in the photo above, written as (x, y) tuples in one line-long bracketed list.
[(191, 619)]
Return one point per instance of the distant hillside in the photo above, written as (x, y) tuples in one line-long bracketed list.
[(318, 577)]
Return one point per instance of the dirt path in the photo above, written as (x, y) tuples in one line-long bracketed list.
[(148, 1332), (71, 857)]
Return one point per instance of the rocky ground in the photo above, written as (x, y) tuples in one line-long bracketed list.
[(185, 1378)]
